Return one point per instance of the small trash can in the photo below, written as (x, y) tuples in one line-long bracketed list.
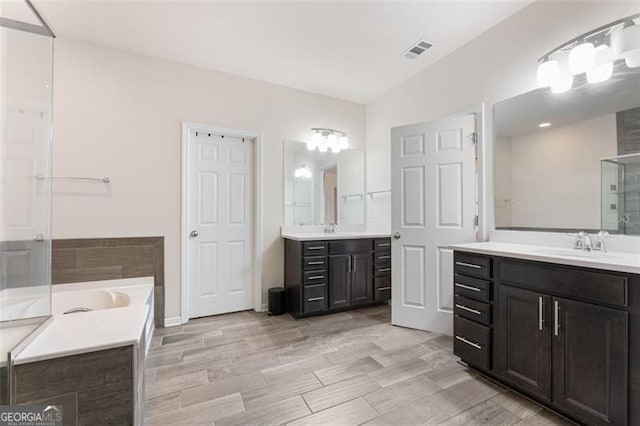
[(277, 301)]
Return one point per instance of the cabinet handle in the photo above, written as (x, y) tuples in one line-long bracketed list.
[(468, 342), (315, 299), (540, 313), (316, 248), (384, 244), (355, 264), (384, 257), (384, 288), (556, 317), (468, 287), (315, 263), (475, 311), (384, 269), (350, 266), (316, 277), (469, 265)]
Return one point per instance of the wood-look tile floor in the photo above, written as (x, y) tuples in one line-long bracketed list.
[(348, 368)]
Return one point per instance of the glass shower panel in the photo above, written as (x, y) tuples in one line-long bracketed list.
[(621, 194), (26, 65)]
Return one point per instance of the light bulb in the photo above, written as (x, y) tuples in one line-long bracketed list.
[(311, 145), (582, 58), (603, 67), (625, 41), (562, 84), (344, 142), (323, 146), (547, 73), (633, 61), (331, 140), (335, 148)]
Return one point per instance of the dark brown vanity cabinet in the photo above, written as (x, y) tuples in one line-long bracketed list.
[(328, 276), (569, 337)]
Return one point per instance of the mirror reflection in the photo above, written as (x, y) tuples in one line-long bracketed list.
[(323, 188), (548, 152)]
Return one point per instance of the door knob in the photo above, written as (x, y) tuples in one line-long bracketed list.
[(396, 235), (194, 233)]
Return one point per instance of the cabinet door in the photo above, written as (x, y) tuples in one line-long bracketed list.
[(524, 339), (590, 357), (361, 283), (339, 281)]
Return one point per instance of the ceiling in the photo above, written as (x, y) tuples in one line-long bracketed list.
[(349, 50)]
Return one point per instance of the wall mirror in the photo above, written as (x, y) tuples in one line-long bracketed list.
[(321, 188), (549, 151)]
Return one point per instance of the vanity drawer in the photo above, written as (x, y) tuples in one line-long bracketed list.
[(472, 288), (314, 248), (314, 262), (471, 342), (593, 286), (472, 309), (314, 298), (382, 244), (350, 246), (472, 264), (382, 288), (382, 257), (382, 270), (315, 277)]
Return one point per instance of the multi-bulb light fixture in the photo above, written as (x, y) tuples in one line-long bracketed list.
[(593, 53), (328, 139)]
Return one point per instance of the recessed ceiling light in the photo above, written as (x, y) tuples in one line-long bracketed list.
[(544, 124)]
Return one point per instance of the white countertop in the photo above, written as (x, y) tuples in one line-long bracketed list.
[(316, 236), (611, 261), (102, 329)]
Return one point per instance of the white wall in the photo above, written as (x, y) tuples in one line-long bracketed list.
[(119, 114), (499, 64), (556, 174)]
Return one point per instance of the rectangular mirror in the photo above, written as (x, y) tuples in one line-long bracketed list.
[(547, 157), (323, 188)]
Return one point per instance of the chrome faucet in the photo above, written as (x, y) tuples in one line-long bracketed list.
[(585, 242), (330, 229)]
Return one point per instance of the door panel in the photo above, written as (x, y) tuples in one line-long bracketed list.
[(220, 196), (433, 185), (339, 285), (524, 339), (361, 288), (590, 370)]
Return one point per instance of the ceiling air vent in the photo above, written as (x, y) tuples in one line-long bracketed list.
[(417, 49)]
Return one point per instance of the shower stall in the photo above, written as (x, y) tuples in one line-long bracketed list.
[(26, 88)]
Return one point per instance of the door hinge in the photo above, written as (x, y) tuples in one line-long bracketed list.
[(475, 137)]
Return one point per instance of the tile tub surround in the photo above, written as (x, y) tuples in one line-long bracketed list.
[(346, 368), (94, 259), (93, 388)]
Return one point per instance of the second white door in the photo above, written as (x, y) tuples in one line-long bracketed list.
[(220, 223), (434, 204)]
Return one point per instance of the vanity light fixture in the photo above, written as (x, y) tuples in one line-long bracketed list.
[(545, 124), (302, 172), (592, 53), (328, 139)]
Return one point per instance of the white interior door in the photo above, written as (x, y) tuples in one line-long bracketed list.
[(220, 223), (433, 184)]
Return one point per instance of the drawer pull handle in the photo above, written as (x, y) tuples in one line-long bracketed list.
[(540, 314), (316, 248), (384, 244), (384, 288), (469, 265), (467, 287), (475, 311), (315, 299), (468, 342), (317, 277), (315, 263), (384, 257), (384, 269), (556, 317)]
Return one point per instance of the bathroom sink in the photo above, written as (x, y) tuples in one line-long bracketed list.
[(575, 253)]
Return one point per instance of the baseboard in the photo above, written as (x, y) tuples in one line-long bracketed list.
[(172, 322), (265, 307)]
